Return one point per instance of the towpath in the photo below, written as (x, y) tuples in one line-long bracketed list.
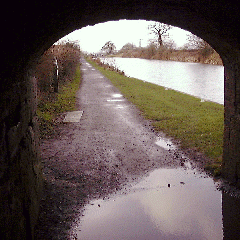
[(112, 145)]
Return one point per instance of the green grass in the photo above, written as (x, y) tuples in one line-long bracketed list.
[(63, 101), (197, 125)]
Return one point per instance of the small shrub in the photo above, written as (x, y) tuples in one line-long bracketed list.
[(51, 103)]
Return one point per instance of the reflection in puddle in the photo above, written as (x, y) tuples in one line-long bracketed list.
[(119, 106), (168, 204), (115, 100), (165, 143), (117, 95)]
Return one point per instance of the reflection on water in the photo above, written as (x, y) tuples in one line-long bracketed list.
[(117, 95), (168, 204), (165, 143), (201, 80), (115, 100)]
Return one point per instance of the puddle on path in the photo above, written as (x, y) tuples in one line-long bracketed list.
[(119, 107), (168, 204), (165, 143), (115, 100), (117, 95)]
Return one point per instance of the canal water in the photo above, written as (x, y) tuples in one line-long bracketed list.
[(201, 80)]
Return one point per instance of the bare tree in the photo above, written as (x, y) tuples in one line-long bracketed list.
[(160, 31), (109, 47), (127, 47), (170, 44), (197, 43), (150, 50)]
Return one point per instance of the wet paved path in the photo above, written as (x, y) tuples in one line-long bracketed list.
[(113, 146), (110, 146), (112, 128), (177, 203)]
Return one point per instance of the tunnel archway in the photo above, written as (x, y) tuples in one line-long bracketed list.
[(32, 27)]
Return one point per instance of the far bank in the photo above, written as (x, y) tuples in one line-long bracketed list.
[(182, 55)]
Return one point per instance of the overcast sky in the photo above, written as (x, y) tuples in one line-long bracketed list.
[(92, 38)]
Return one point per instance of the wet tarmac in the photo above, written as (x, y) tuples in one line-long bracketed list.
[(128, 181), (175, 200)]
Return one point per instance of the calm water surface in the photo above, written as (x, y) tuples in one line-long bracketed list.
[(201, 80)]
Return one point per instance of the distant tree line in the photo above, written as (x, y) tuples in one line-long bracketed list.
[(162, 47)]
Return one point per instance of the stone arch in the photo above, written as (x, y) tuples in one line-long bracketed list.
[(32, 27)]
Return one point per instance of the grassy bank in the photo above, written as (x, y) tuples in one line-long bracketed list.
[(60, 102), (197, 125), (204, 54)]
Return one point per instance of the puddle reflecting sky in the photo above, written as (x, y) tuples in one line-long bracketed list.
[(115, 100), (117, 95), (191, 208), (165, 143)]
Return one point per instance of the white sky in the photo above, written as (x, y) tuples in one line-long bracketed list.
[(92, 38)]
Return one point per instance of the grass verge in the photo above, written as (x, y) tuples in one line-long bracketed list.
[(61, 102), (197, 125)]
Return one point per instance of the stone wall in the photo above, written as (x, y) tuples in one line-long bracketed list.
[(20, 169), (231, 149)]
